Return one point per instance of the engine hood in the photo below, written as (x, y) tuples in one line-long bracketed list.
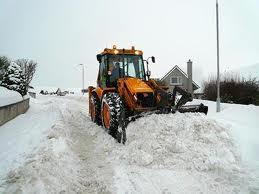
[(137, 86)]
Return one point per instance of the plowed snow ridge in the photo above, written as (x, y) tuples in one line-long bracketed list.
[(174, 153), (186, 146)]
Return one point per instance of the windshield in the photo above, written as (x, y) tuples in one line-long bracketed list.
[(125, 65)]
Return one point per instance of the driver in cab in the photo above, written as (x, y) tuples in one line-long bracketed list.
[(115, 71)]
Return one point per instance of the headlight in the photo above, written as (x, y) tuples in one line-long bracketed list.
[(137, 52)]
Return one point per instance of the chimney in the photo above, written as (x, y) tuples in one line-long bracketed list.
[(189, 73)]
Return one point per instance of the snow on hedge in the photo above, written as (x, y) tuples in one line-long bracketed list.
[(9, 96)]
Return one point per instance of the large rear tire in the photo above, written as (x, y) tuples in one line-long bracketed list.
[(112, 114)]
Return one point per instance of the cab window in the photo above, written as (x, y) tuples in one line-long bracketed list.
[(103, 72)]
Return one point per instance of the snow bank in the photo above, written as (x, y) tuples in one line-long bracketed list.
[(21, 135), (179, 141), (9, 96), (177, 152), (242, 121)]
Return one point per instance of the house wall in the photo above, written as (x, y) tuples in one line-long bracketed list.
[(11, 111), (176, 72)]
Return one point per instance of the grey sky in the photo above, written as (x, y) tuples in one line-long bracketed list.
[(59, 34)]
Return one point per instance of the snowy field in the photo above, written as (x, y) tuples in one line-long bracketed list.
[(55, 148)]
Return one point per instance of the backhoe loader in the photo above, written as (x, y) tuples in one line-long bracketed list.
[(126, 92)]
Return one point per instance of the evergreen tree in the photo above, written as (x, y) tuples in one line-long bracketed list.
[(14, 79), (4, 63)]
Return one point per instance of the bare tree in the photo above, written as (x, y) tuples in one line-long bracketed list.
[(28, 67)]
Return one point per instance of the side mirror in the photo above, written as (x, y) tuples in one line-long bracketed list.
[(99, 57), (153, 59), (148, 73)]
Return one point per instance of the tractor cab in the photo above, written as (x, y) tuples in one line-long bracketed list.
[(119, 63)]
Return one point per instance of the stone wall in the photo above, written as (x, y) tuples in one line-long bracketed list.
[(11, 111)]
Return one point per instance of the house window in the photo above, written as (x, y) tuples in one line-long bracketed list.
[(176, 80)]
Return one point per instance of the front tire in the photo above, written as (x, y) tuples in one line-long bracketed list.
[(95, 111), (112, 113)]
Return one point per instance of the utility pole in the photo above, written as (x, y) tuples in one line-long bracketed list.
[(83, 78), (218, 78), (189, 73)]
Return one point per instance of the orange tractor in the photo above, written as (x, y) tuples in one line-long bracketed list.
[(125, 92)]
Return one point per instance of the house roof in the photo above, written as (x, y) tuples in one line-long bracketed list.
[(176, 67)]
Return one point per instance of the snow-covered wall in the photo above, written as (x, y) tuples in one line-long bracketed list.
[(10, 111), (9, 96)]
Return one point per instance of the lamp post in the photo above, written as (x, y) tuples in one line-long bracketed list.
[(83, 78), (218, 78)]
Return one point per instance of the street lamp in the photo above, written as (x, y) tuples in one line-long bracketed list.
[(218, 79), (83, 78)]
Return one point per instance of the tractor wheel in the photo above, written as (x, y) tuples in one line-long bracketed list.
[(112, 114), (95, 107)]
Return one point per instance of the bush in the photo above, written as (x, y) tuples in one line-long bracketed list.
[(4, 63), (233, 89), (17, 75)]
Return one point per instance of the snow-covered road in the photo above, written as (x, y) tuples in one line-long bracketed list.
[(64, 160), (67, 153)]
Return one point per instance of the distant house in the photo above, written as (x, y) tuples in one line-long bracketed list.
[(176, 77), (60, 93)]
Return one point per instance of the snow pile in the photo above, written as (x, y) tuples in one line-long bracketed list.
[(181, 141), (242, 121), (46, 171), (189, 147), (9, 96)]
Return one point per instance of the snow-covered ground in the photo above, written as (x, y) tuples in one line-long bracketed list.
[(242, 120), (55, 148), (20, 136), (9, 96)]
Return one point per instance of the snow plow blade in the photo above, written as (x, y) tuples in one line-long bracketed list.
[(194, 108), (201, 108)]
